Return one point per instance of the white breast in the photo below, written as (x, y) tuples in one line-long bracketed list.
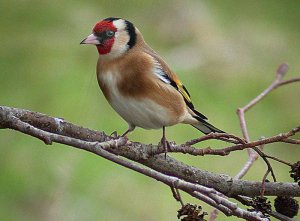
[(143, 113)]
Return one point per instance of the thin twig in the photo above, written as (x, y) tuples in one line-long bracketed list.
[(291, 141), (292, 80), (252, 155), (230, 138), (270, 169), (186, 149), (281, 71), (98, 148), (185, 179), (278, 160), (251, 159), (247, 201), (232, 209), (134, 151)]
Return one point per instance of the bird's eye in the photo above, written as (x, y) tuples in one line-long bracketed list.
[(109, 33)]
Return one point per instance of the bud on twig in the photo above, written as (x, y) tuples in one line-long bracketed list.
[(282, 70)]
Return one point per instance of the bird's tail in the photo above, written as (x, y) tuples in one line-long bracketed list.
[(206, 127)]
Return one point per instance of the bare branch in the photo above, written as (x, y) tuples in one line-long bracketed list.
[(281, 71), (187, 149), (209, 187), (208, 194), (252, 155), (231, 209), (230, 138), (292, 80), (139, 153), (247, 201)]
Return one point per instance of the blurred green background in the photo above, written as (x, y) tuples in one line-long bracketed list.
[(225, 52)]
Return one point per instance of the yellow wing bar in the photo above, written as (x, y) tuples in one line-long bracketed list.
[(183, 90)]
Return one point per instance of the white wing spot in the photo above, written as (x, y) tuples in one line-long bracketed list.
[(159, 72)]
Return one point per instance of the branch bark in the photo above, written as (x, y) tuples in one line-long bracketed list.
[(214, 189), (254, 153), (51, 130), (47, 128)]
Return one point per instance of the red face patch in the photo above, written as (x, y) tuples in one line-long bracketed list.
[(106, 45)]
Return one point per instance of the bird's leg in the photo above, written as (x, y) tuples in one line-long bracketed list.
[(164, 142), (130, 129)]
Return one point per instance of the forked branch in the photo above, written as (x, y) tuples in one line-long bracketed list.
[(214, 189)]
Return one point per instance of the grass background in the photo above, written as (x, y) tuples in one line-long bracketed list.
[(225, 52)]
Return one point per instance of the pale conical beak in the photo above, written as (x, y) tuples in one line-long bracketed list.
[(91, 39)]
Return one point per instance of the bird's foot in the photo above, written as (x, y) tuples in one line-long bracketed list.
[(114, 135), (130, 129)]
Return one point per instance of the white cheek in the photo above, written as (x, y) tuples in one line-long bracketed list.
[(121, 39), (120, 44), (119, 24)]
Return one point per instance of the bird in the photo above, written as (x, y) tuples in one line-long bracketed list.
[(138, 83)]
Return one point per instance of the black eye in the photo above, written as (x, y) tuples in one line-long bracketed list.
[(110, 33)]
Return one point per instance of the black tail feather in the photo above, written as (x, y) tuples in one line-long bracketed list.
[(206, 127)]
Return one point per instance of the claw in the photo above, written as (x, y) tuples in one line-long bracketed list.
[(130, 129), (114, 134)]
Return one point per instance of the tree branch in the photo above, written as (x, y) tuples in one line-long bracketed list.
[(55, 130), (254, 153), (45, 128), (209, 187), (187, 149)]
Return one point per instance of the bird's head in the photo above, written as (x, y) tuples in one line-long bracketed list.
[(112, 36)]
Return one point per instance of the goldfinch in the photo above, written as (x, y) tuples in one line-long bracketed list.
[(138, 83)]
